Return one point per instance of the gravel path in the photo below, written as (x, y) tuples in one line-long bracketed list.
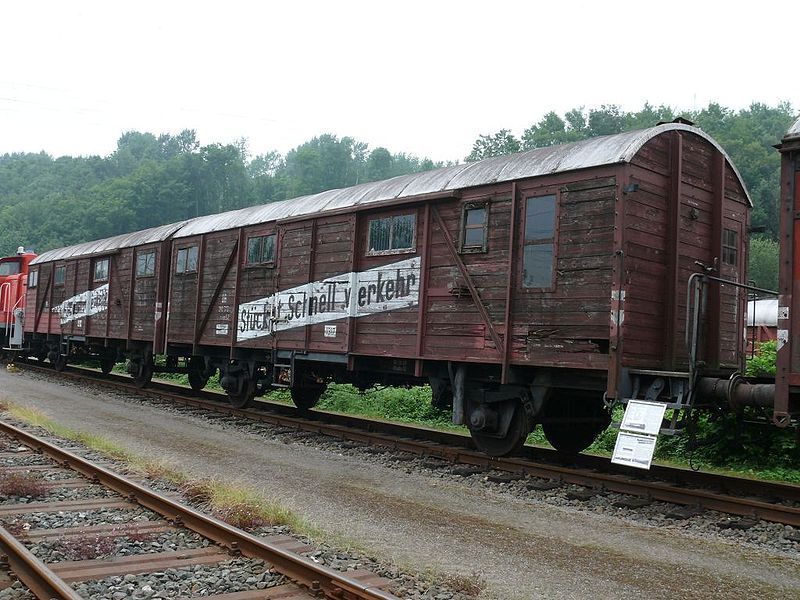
[(524, 547)]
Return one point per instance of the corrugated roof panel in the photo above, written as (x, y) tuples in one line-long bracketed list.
[(108, 245), (381, 190), (794, 130)]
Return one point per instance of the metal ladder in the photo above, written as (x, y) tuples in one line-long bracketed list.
[(278, 367)]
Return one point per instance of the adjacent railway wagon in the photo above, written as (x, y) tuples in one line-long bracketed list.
[(787, 379), (532, 288)]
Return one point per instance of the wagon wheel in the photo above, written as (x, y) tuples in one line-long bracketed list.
[(142, 372), (306, 397), (106, 365), (197, 379), (59, 361), (243, 398), (577, 419), (518, 430)]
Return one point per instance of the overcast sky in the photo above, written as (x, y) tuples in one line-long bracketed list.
[(419, 77)]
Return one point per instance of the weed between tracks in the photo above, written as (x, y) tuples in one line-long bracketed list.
[(241, 507), (23, 485), (236, 505)]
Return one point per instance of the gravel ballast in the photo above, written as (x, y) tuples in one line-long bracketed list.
[(525, 543)]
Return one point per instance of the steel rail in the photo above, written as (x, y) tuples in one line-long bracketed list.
[(589, 471), (316, 578), (31, 571)]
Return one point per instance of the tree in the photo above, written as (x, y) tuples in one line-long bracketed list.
[(379, 164), (648, 117), (606, 120), (550, 131), (763, 267), (502, 142)]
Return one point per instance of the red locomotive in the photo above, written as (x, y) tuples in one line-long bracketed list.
[(539, 287), (13, 283)]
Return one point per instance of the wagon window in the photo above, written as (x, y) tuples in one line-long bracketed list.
[(101, 269), (261, 249), (60, 276), (146, 264), (539, 243), (392, 234), (473, 234), (187, 260), (730, 247), (33, 278)]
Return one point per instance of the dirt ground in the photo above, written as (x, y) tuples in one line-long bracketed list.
[(523, 550)]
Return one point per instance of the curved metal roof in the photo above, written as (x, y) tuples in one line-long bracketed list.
[(594, 152), (794, 131), (109, 245)]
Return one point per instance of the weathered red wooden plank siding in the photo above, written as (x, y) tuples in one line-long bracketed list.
[(257, 281), (95, 325), (455, 329), (647, 251), (37, 300), (217, 289), (119, 295), (75, 285), (294, 269), (182, 297), (144, 299), (332, 257), (569, 324), (397, 339)]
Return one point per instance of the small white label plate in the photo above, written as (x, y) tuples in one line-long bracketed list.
[(643, 417), (330, 331)]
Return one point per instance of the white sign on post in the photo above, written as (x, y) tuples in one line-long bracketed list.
[(634, 450), (636, 441)]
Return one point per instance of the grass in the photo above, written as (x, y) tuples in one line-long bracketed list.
[(763, 452), (243, 507), (238, 505)]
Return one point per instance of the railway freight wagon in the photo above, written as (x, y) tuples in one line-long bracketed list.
[(539, 287), (787, 377), (100, 298)]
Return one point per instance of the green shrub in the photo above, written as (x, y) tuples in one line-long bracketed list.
[(762, 364)]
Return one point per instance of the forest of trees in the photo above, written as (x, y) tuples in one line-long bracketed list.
[(149, 180)]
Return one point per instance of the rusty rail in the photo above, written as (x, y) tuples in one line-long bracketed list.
[(590, 471), (316, 578), (33, 572)]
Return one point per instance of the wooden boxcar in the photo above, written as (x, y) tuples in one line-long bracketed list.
[(524, 288), (103, 298), (535, 287), (787, 377)]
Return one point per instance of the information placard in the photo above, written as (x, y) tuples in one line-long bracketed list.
[(643, 417), (634, 450)]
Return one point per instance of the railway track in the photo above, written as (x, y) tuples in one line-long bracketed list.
[(286, 574), (752, 499)]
